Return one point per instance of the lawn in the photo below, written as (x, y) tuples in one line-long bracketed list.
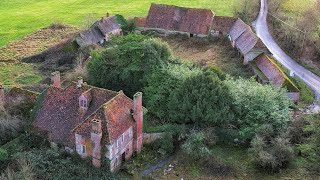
[(21, 17), (18, 74), (297, 6)]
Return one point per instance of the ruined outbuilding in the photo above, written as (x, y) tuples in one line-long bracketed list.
[(246, 41), (100, 31), (91, 121), (222, 24), (268, 72)]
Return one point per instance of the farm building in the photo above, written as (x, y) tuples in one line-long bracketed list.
[(174, 19), (100, 31), (222, 24), (267, 71), (246, 41), (92, 121)]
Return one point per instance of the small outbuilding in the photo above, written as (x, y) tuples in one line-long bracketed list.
[(100, 32)]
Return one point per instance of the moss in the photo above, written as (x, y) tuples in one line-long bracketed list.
[(38, 104)]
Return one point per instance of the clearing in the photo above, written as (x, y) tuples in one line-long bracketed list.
[(217, 52), (21, 17)]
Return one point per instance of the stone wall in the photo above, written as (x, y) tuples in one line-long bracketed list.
[(148, 138)]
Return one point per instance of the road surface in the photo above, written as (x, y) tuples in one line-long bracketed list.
[(261, 26)]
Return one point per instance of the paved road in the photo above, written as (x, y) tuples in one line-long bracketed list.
[(261, 26)]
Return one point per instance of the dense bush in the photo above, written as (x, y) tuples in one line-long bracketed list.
[(9, 126), (273, 155), (311, 148), (165, 143), (3, 154), (256, 105), (202, 99), (50, 165), (195, 146), (128, 63), (161, 84)]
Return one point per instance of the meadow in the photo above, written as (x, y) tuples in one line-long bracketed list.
[(21, 17)]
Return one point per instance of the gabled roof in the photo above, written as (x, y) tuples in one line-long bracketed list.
[(223, 23), (270, 70), (98, 31), (59, 112), (169, 17), (246, 41), (116, 118), (237, 29)]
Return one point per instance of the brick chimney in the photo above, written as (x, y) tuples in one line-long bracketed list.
[(1, 97), (80, 82), (107, 14), (138, 117), (55, 79), (96, 135)]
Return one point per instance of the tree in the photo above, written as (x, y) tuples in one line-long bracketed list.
[(128, 63), (203, 100), (161, 84), (256, 105)]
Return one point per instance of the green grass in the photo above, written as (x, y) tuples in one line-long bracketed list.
[(18, 74), (21, 17), (297, 6)]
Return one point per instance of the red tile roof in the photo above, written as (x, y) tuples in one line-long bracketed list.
[(270, 70), (59, 113), (192, 20), (223, 23), (237, 29), (246, 41)]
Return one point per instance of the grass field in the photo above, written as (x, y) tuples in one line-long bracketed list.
[(21, 17), (297, 6), (18, 74)]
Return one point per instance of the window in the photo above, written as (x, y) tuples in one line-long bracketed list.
[(83, 103), (122, 137), (83, 149), (117, 144)]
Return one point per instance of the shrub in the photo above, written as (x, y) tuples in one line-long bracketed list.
[(271, 156), (161, 84), (311, 148), (9, 127), (203, 100), (127, 65), (3, 154), (165, 143), (195, 146), (256, 105)]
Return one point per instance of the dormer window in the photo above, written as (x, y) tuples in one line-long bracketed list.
[(83, 103)]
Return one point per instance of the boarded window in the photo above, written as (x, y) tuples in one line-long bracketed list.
[(83, 149)]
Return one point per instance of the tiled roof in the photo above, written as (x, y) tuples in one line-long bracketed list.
[(237, 29), (115, 115), (246, 41), (192, 20), (223, 23), (270, 70), (59, 113), (97, 31)]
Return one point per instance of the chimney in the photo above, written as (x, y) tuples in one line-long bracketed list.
[(80, 82), (102, 18), (55, 79), (1, 97), (138, 117), (107, 15)]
